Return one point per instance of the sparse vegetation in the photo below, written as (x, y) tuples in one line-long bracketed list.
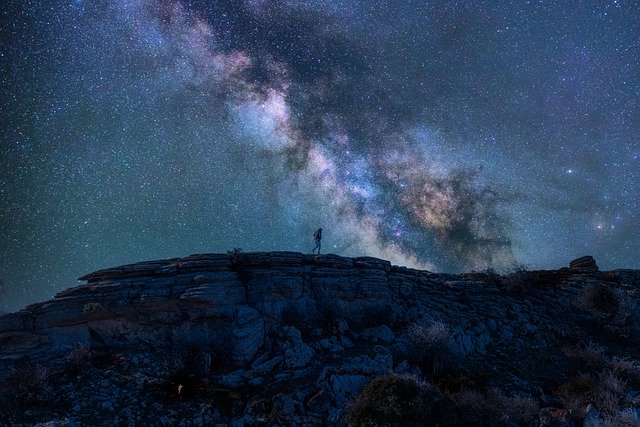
[(605, 390), (516, 282), (615, 310), (589, 355), (603, 382), (79, 358), (26, 385), (400, 400), (493, 407), (234, 254), (626, 368), (186, 374), (430, 349), (200, 359), (92, 307), (601, 300)]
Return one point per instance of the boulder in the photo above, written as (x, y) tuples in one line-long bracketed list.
[(585, 263), (297, 354), (381, 333), (248, 333), (592, 417)]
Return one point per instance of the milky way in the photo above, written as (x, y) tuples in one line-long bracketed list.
[(440, 135)]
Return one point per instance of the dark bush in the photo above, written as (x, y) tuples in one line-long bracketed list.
[(589, 355), (79, 358), (605, 390), (185, 374), (600, 300), (395, 399), (25, 386), (429, 348), (615, 310)]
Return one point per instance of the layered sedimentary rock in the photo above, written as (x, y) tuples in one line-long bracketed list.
[(585, 263), (330, 323)]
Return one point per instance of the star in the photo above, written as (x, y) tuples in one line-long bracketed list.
[(453, 135)]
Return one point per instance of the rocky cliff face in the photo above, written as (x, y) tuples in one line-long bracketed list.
[(284, 337)]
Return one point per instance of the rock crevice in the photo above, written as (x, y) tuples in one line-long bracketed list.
[(328, 323)]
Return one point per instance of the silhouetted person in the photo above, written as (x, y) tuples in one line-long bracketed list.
[(318, 236)]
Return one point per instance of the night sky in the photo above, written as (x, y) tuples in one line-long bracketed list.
[(437, 134)]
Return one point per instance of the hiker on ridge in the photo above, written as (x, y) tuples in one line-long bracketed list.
[(318, 237)]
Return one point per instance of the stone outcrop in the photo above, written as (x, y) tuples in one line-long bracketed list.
[(585, 263), (309, 330)]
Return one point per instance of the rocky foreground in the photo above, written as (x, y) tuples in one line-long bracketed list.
[(290, 339)]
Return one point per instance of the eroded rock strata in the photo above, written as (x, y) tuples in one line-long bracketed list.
[(279, 338)]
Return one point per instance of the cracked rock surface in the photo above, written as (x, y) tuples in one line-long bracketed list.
[(287, 338)]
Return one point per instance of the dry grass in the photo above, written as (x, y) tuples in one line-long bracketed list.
[(434, 335), (605, 390), (495, 408), (604, 383), (575, 394), (615, 309), (429, 347), (590, 355), (80, 357), (26, 385)]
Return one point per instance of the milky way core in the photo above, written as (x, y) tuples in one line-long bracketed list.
[(441, 135)]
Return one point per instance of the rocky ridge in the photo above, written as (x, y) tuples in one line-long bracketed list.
[(283, 337)]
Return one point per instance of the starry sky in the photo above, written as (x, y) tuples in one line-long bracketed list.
[(445, 135)]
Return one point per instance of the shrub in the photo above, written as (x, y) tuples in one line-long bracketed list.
[(235, 256), (472, 405), (605, 390), (26, 385), (494, 407), (601, 300), (610, 393), (523, 409), (575, 394), (430, 349), (399, 400), (234, 251), (185, 374), (81, 356), (588, 355), (615, 309), (626, 368)]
